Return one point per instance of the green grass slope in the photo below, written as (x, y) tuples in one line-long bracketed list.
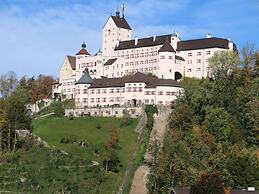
[(71, 170)]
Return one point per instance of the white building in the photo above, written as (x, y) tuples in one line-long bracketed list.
[(131, 90), (167, 57)]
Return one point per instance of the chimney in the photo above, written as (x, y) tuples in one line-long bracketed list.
[(177, 34), (208, 35), (136, 40), (154, 38)]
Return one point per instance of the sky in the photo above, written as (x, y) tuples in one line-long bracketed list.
[(36, 35)]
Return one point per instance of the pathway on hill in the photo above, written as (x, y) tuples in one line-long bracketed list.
[(140, 179), (139, 129)]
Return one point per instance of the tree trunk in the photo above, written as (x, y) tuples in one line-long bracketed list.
[(106, 165), (14, 141)]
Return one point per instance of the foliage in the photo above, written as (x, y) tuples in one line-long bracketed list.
[(8, 83), (213, 128), (45, 170), (41, 88), (150, 111), (113, 140), (58, 109), (208, 183), (223, 62), (126, 120)]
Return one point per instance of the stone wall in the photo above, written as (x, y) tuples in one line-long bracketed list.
[(105, 111)]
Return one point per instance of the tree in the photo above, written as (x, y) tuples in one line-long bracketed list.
[(182, 118), (17, 118), (248, 55), (222, 63), (8, 83), (208, 183), (3, 126), (217, 122), (58, 109), (41, 88), (244, 168), (113, 140)]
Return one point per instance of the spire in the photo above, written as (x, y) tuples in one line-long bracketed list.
[(83, 51), (123, 10), (83, 45)]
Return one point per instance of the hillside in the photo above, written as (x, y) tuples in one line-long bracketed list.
[(45, 170)]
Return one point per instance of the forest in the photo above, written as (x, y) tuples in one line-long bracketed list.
[(214, 129)]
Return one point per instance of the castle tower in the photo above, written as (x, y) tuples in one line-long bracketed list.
[(115, 29), (166, 61)]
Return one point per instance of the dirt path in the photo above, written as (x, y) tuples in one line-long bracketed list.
[(140, 130), (140, 179)]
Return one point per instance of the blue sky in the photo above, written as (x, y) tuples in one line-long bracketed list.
[(35, 35)]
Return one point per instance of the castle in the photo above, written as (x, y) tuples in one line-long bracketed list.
[(131, 72)]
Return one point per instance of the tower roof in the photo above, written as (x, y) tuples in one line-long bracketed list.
[(121, 22), (167, 47), (85, 79), (83, 51)]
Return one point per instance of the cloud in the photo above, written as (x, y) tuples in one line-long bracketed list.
[(36, 35)]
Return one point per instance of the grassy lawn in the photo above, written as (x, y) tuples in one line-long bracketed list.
[(92, 130)]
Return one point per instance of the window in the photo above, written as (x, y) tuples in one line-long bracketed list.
[(189, 54), (104, 91), (198, 69), (162, 57), (85, 91), (97, 99), (171, 57), (146, 101), (111, 90), (111, 99), (170, 70), (198, 60), (98, 91), (189, 70), (207, 52), (198, 53), (104, 99), (160, 93), (92, 100), (189, 61), (92, 91)]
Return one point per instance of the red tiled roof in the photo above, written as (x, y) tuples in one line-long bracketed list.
[(83, 51)]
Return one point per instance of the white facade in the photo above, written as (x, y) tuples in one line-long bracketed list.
[(166, 57)]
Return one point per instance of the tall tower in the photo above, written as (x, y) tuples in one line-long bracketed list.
[(116, 29)]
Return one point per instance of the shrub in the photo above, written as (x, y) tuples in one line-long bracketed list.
[(126, 120), (58, 109), (98, 126), (71, 116)]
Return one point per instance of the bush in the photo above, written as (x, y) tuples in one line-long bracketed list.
[(58, 109), (126, 120), (98, 126), (65, 140), (71, 116)]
